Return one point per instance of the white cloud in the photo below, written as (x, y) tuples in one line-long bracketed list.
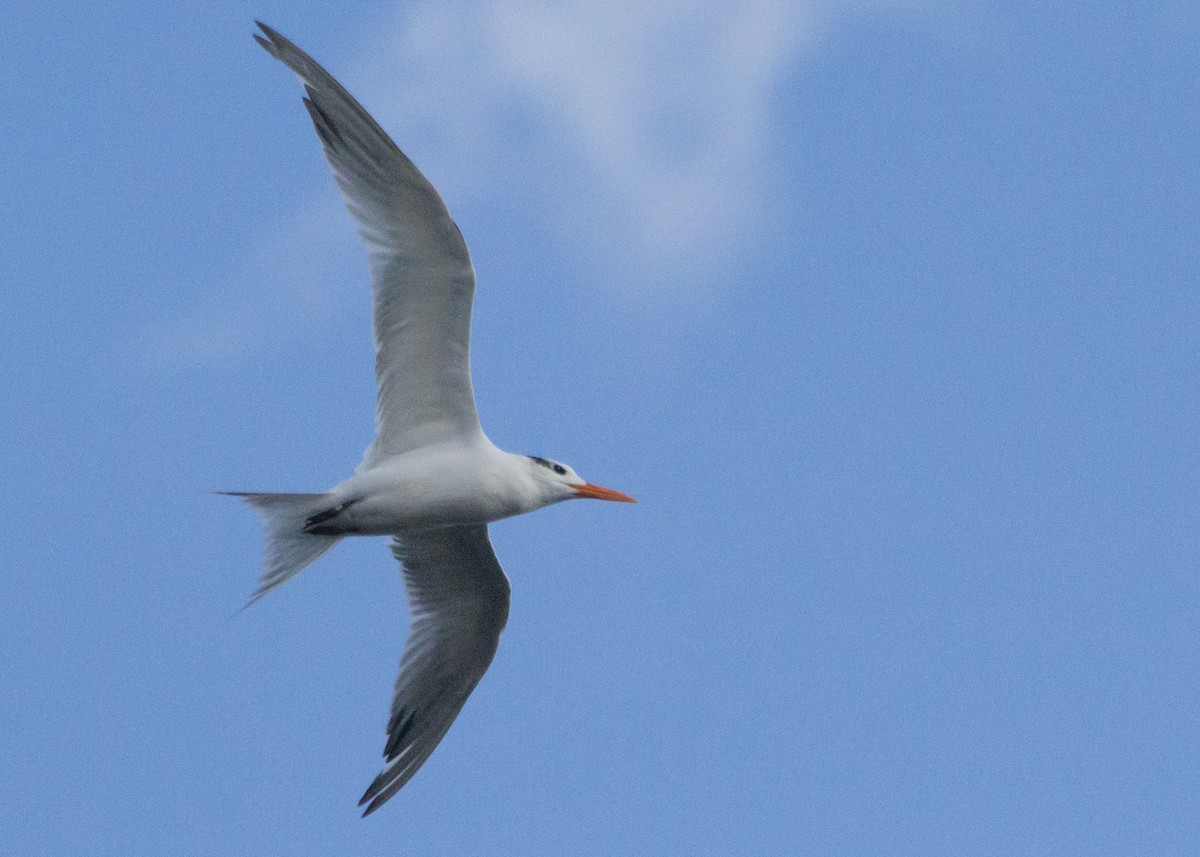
[(660, 112)]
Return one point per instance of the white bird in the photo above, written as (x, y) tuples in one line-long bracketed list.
[(431, 478)]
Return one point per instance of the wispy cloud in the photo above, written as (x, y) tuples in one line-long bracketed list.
[(286, 282), (661, 112)]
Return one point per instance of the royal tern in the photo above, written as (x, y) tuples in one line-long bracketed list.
[(431, 479)]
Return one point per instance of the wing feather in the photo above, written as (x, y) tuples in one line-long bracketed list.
[(423, 282), (458, 597)]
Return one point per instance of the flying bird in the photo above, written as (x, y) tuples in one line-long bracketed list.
[(431, 479)]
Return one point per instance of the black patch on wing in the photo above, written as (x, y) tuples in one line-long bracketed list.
[(401, 724), (314, 525)]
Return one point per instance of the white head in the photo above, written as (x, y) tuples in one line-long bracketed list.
[(557, 482)]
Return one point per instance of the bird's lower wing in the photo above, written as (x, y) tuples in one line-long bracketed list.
[(458, 596), (422, 279)]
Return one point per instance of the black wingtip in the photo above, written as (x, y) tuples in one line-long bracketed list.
[(401, 725), (326, 130), (273, 40), (378, 801), (371, 791), (367, 795)]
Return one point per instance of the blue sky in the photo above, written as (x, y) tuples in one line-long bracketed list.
[(887, 312)]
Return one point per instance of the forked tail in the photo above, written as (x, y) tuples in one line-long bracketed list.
[(289, 549)]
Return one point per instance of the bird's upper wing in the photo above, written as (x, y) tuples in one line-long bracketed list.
[(421, 273), (458, 596)]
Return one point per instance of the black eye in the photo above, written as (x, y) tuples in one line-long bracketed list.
[(560, 470)]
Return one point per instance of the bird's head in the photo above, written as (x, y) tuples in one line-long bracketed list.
[(560, 482)]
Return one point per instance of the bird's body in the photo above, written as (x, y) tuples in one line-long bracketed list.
[(452, 483), (431, 479)]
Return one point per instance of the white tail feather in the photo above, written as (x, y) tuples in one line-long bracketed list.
[(289, 549)]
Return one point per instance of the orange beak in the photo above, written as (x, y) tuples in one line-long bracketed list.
[(598, 493)]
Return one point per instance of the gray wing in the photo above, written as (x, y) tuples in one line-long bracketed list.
[(458, 596), (421, 273)]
